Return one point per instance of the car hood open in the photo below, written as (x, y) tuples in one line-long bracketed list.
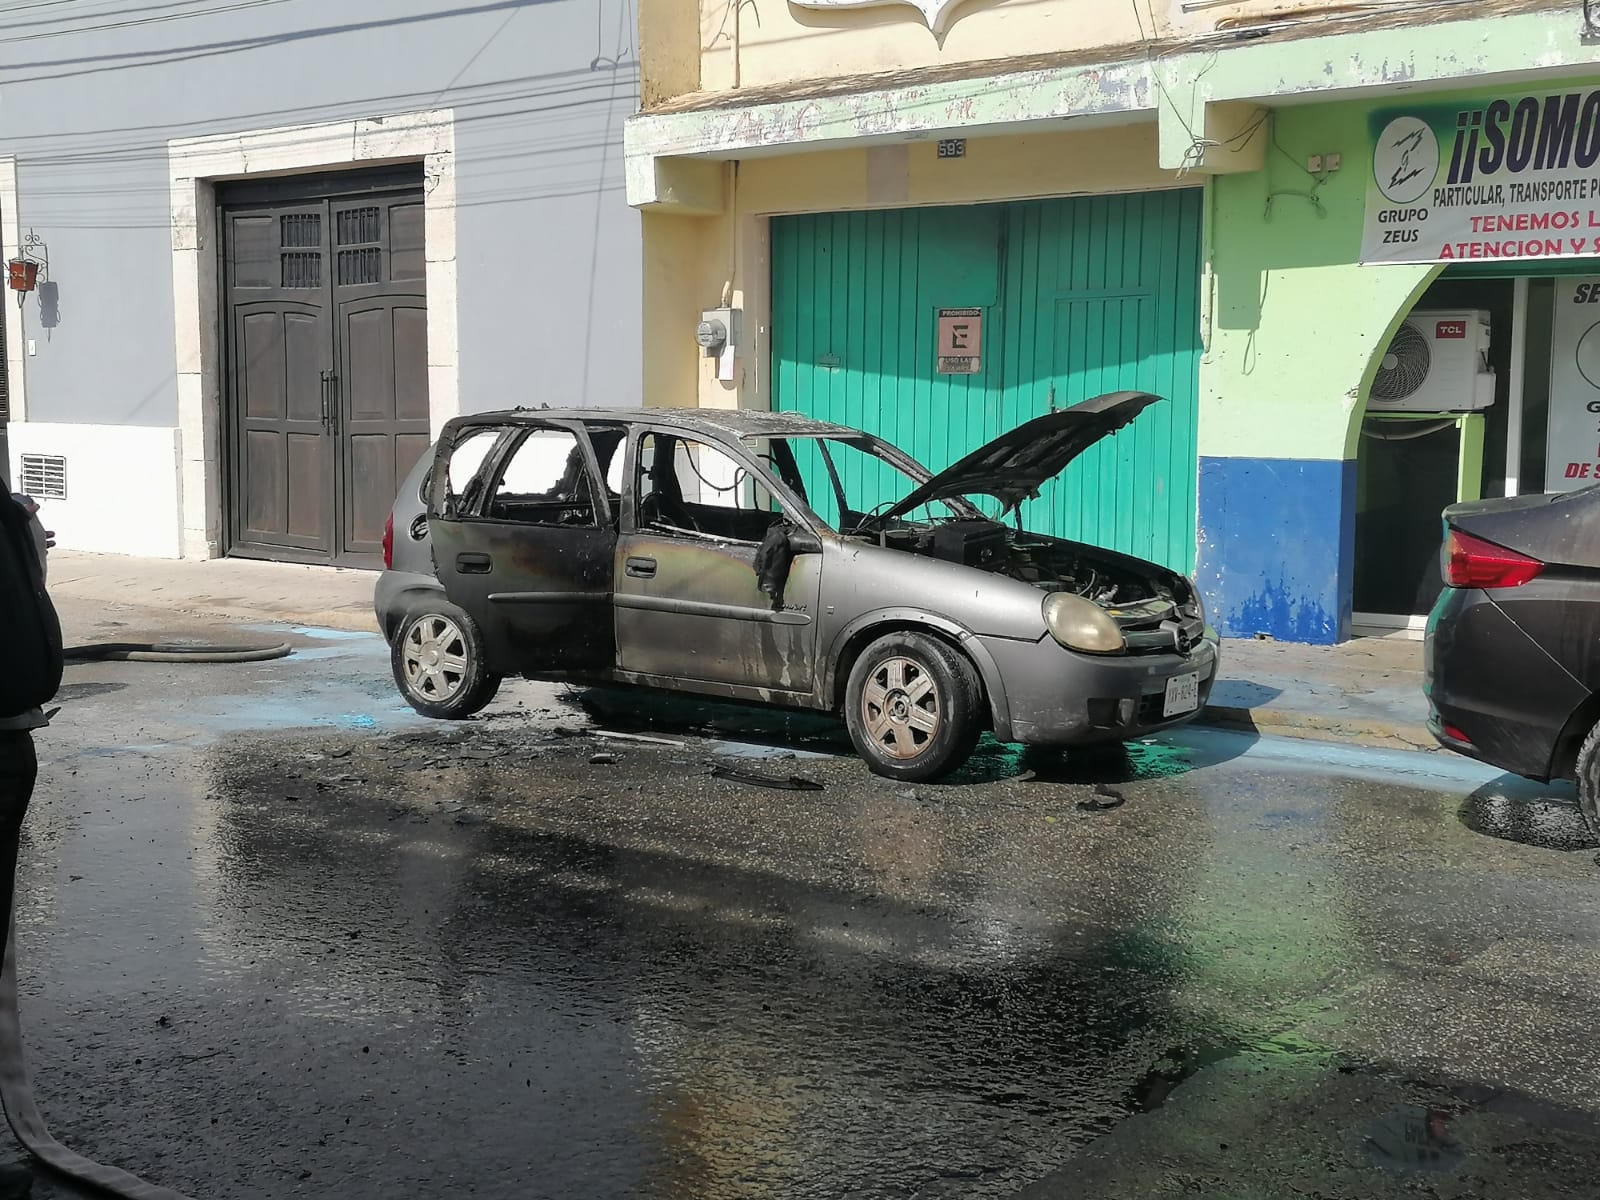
[(1014, 466)]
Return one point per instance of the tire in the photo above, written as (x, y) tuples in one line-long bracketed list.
[(898, 677), (1588, 780), (438, 662)]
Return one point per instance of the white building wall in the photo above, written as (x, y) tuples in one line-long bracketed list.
[(100, 122), (121, 486)]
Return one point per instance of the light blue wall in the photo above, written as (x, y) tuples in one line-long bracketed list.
[(548, 251)]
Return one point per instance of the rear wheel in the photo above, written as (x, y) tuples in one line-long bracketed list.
[(439, 665), (1588, 778), (913, 707)]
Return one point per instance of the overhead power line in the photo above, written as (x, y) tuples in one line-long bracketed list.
[(187, 14), (93, 64)]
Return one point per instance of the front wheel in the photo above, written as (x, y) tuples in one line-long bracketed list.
[(439, 664), (1588, 780), (913, 707)]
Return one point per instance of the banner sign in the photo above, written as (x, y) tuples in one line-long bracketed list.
[(1572, 445), (1512, 178)]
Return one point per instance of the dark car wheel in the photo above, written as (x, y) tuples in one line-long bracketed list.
[(913, 706), (438, 661), (1588, 774)]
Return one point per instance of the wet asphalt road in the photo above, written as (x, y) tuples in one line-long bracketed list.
[(279, 937)]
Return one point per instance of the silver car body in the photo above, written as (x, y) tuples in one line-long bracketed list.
[(623, 602), (408, 577)]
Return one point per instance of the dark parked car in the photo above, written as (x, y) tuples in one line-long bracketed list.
[(1513, 644), (771, 557)]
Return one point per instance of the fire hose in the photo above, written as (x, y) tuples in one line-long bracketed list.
[(173, 652), (16, 1092), (22, 1113)]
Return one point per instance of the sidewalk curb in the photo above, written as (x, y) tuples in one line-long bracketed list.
[(1312, 727), (342, 619)]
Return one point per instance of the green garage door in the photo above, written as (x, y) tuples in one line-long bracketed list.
[(1077, 297)]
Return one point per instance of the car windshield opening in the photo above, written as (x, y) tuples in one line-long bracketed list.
[(850, 481)]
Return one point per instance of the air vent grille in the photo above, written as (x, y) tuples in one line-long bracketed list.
[(44, 476)]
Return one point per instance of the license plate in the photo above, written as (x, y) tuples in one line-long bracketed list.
[(1183, 694)]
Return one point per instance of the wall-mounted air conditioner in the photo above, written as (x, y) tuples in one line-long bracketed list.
[(1437, 362)]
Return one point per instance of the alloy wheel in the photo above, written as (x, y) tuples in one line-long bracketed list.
[(435, 658), (900, 707)]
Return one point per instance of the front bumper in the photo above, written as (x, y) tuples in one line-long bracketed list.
[(1058, 697)]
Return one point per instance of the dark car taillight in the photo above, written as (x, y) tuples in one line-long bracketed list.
[(388, 543), (1472, 562)]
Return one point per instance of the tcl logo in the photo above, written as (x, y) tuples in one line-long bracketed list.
[(1450, 329)]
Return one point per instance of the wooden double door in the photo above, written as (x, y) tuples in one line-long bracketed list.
[(325, 320)]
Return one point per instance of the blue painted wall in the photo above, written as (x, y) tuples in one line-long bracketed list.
[(1277, 546)]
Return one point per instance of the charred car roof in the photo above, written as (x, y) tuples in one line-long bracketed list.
[(731, 422)]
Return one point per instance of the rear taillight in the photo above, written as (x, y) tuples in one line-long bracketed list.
[(388, 543), (1473, 562)]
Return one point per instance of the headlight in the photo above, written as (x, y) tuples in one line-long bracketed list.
[(1187, 597), (1081, 624)]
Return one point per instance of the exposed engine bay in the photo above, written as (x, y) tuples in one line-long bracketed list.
[(1048, 564)]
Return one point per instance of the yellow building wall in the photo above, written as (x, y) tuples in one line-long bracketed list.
[(778, 42), (669, 49), (692, 263), (762, 43)]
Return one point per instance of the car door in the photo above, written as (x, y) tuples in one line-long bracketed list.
[(526, 545), (688, 603)]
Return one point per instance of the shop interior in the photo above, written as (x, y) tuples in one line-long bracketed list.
[(1460, 409)]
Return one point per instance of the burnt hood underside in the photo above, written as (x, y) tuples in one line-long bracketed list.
[(1014, 466)]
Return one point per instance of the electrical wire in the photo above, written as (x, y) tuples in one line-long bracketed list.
[(1312, 194), (518, 154), (1368, 430), (38, 4), (905, 108), (135, 22), (599, 206), (709, 143), (108, 152), (91, 64), (1195, 153), (479, 53)]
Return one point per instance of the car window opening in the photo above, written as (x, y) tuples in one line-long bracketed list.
[(690, 489), (545, 480)]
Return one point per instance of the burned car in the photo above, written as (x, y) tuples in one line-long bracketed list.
[(769, 557)]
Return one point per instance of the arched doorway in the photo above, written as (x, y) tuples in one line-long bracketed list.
[(1428, 434)]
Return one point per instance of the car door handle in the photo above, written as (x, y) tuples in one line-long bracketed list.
[(472, 564), (642, 568)]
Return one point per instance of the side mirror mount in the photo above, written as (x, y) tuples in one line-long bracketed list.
[(803, 541)]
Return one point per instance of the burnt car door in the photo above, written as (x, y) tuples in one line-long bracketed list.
[(526, 545), (689, 600)]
